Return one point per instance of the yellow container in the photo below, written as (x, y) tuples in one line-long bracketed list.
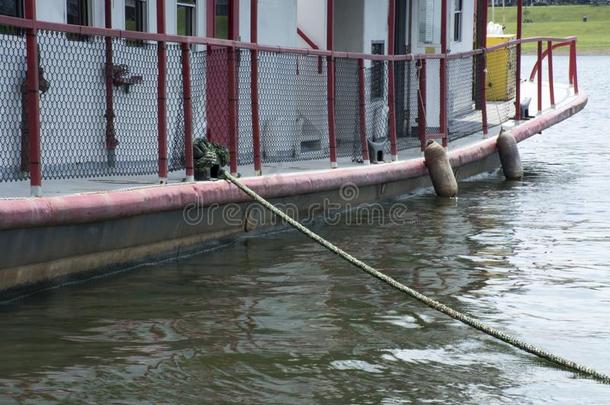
[(500, 70)]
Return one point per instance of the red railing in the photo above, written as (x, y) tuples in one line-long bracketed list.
[(548, 55), (420, 63)]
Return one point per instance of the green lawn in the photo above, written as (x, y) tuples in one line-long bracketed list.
[(562, 21)]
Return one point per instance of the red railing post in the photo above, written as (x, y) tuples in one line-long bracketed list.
[(391, 80), (483, 69), (111, 141), (443, 76), (421, 104), (187, 106), (518, 61), (162, 95), (330, 82), (362, 113), (256, 136), (571, 67), (550, 63), (540, 77), (574, 66), (33, 102), (232, 87), (484, 96)]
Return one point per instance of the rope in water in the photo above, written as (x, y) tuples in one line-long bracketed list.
[(468, 320)]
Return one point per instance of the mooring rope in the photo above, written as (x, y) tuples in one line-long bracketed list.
[(468, 320)]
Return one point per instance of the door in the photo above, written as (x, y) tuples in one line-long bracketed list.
[(222, 23)]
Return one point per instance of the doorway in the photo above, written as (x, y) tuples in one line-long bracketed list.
[(222, 22)]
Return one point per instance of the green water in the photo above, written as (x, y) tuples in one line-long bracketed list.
[(276, 319)]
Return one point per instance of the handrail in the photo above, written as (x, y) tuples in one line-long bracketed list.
[(538, 64), (31, 25), (307, 40), (190, 40)]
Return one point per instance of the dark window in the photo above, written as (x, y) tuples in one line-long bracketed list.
[(12, 8), (377, 71), (186, 17), (135, 15), (221, 20), (78, 12), (457, 20)]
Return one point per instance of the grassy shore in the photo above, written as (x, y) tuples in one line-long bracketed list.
[(562, 21)]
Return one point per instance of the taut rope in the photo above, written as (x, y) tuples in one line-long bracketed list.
[(468, 320)]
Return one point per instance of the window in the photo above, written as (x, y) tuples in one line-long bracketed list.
[(221, 20), (12, 8), (186, 17), (377, 71), (135, 15), (77, 12), (457, 20), (426, 22)]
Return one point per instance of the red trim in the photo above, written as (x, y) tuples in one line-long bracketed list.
[(330, 82), (571, 69), (312, 45), (187, 106), (234, 20), (233, 86), (539, 86), (421, 104), (307, 40), (574, 66), (443, 76), (518, 67), (550, 63), (391, 79), (232, 125), (256, 137), (364, 143), (544, 55), (162, 92), (210, 18), (147, 36), (483, 73), (33, 97), (106, 206), (111, 141)]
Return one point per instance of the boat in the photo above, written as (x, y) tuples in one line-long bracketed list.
[(317, 102)]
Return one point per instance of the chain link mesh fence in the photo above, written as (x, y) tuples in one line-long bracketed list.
[(175, 108), (292, 96), (376, 103), (347, 109), (407, 87), (293, 107), (13, 123), (464, 114), (431, 95)]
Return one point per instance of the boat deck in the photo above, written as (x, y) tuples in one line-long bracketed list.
[(21, 189)]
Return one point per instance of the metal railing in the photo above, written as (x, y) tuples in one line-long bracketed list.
[(84, 101)]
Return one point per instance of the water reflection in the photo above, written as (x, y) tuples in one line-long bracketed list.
[(279, 320)]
